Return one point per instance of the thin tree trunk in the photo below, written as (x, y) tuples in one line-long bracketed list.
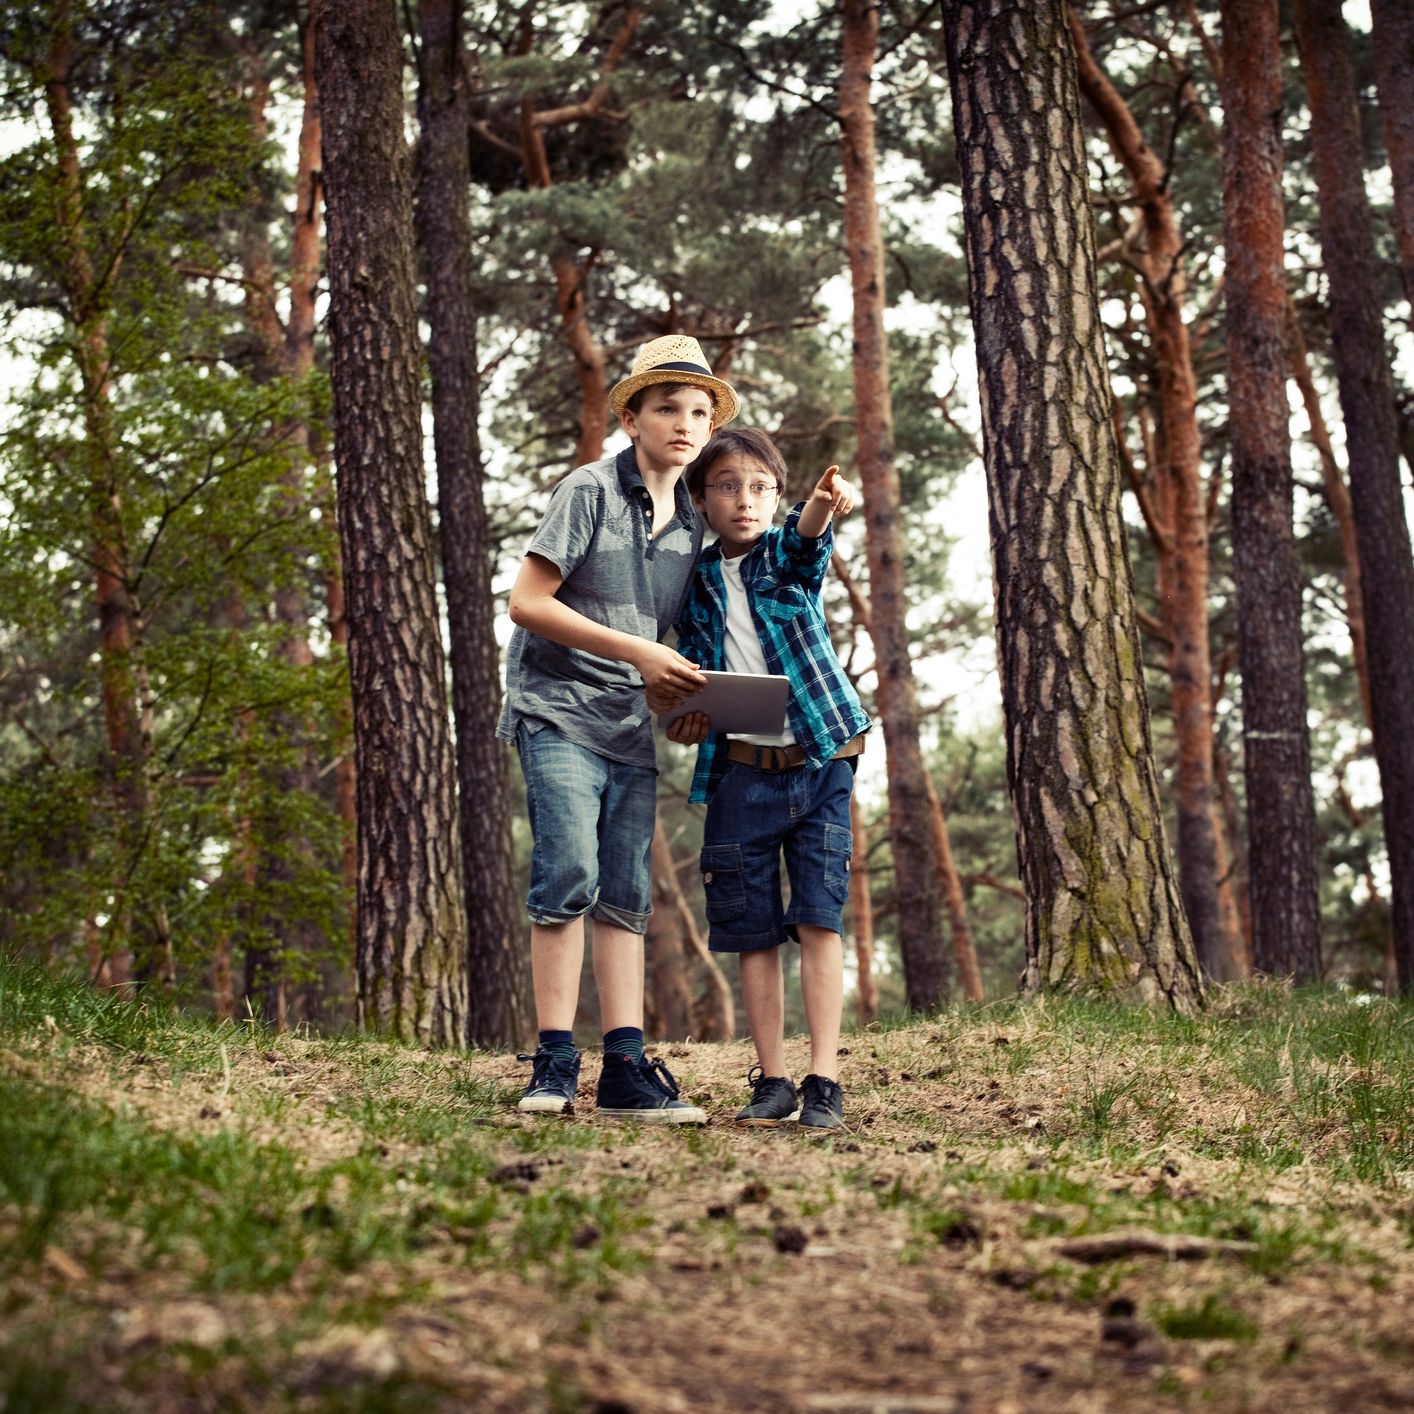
[(411, 918), (1185, 599), (1338, 500), (969, 975), (861, 915), (669, 1009), (1392, 30), (495, 945), (135, 927), (713, 1008), (1281, 810), (910, 832), (1236, 897), (1103, 910), (1389, 966), (1366, 386)]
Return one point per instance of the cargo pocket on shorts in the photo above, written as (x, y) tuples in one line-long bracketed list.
[(839, 849), (723, 883)]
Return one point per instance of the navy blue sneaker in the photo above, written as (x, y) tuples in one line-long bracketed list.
[(643, 1090), (774, 1100), (821, 1104), (553, 1083)]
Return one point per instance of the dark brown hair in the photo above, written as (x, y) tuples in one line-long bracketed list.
[(665, 390), (744, 441)]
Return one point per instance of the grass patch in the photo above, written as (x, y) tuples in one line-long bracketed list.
[(348, 1182), (1212, 1318)]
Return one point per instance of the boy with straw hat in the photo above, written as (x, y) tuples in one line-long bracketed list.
[(602, 580)]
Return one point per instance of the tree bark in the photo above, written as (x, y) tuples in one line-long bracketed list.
[(1367, 400), (496, 964), (1103, 910), (411, 919), (1392, 29), (1184, 568), (920, 930), (1281, 810)]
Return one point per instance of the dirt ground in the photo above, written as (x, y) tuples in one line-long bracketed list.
[(931, 1257)]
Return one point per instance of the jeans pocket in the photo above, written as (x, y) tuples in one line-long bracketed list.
[(839, 849), (724, 883)]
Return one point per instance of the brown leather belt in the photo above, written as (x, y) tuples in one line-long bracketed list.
[(784, 758)]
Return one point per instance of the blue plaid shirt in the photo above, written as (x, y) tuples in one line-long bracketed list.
[(782, 574)]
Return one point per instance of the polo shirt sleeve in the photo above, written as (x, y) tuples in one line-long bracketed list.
[(566, 533), (802, 559)]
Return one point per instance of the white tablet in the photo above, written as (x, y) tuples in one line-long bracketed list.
[(753, 703)]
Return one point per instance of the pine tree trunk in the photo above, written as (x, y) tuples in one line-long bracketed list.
[(138, 936), (1392, 31), (1366, 385), (1281, 811), (919, 915), (1103, 911), (411, 919), (496, 965), (1184, 600)]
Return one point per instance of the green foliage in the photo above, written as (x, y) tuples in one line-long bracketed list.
[(181, 463)]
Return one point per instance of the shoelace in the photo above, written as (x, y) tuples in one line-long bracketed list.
[(659, 1077), (548, 1066), (762, 1085)]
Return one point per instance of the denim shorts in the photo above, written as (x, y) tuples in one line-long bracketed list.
[(752, 817), (592, 822)]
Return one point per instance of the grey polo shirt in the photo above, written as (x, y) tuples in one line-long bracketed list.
[(598, 532)]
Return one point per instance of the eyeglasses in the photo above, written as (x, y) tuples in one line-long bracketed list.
[(758, 490)]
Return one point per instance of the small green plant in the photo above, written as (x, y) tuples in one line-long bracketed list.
[(1212, 1318)]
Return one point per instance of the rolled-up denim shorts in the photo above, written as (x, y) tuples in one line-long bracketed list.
[(753, 816), (592, 823)]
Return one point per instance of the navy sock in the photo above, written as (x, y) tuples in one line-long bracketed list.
[(625, 1041), (558, 1043)]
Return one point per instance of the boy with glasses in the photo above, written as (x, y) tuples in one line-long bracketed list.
[(754, 607), (602, 580)]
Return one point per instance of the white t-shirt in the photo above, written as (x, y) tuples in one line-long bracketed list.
[(742, 647)]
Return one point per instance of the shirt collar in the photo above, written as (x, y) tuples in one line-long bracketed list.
[(632, 485)]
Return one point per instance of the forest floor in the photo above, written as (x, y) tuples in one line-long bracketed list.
[(1050, 1206)]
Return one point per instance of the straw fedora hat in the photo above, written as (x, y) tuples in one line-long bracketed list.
[(676, 359)]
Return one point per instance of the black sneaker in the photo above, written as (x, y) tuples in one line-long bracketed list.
[(821, 1104), (643, 1090), (774, 1100), (553, 1083)]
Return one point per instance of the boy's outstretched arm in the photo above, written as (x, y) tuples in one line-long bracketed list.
[(534, 607), (832, 496)]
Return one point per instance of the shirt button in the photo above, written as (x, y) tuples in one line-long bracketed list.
[(707, 877)]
